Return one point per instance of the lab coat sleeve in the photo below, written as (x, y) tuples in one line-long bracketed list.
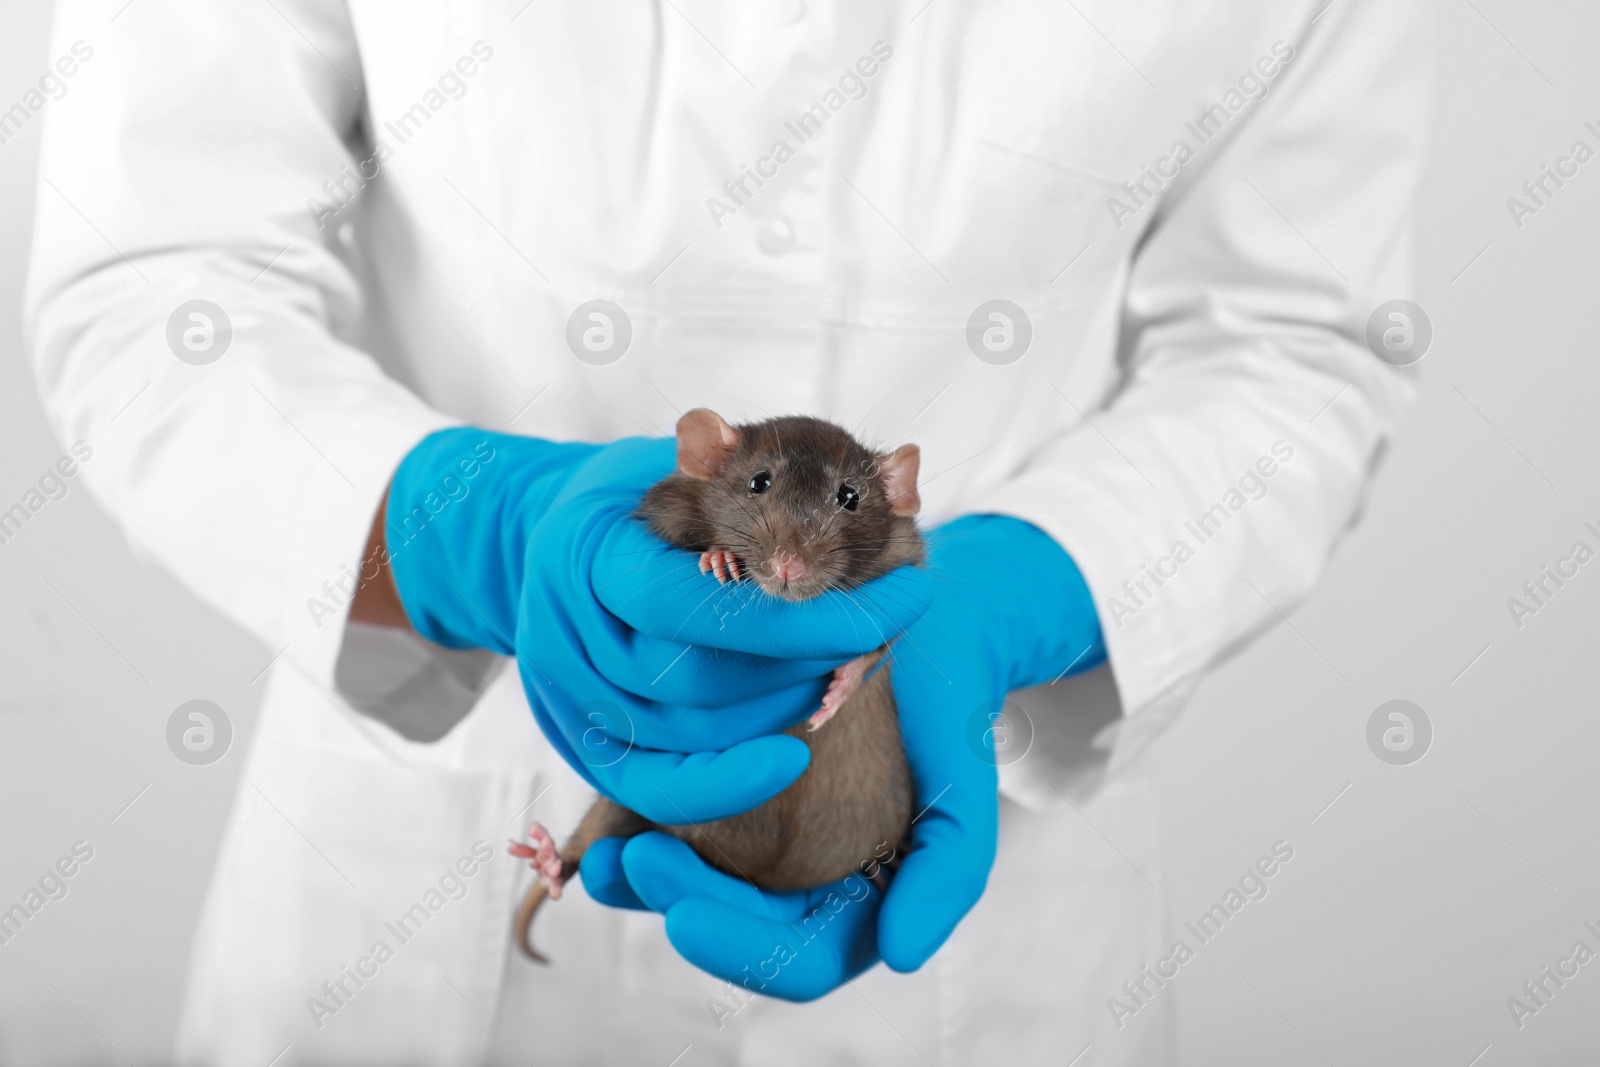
[(178, 165), (1243, 343)]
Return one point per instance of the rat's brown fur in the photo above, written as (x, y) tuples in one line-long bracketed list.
[(853, 803)]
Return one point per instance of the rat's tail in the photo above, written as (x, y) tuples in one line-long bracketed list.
[(604, 819), (530, 904)]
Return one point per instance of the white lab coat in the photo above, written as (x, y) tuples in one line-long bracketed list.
[(535, 159)]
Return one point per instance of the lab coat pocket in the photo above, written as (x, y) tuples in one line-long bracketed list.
[(350, 886)]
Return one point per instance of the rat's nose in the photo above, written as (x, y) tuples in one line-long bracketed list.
[(787, 567)]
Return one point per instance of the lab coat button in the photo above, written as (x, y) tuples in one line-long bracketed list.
[(776, 237)]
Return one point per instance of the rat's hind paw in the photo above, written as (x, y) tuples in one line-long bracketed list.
[(541, 856), (846, 680), (722, 563)]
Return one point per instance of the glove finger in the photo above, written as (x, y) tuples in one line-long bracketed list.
[(662, 870), (604, 878), (953, 771), (714, 728), (675, 672), (940, 880), (599, 739), (658, 590), (677, 789), (669, 672), (779, 959), (600, 720), (681, 729), (795, 945)]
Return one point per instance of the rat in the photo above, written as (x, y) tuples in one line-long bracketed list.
[(800, 507)]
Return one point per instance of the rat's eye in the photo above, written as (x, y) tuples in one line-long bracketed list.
[(848, 497), (760, 481)]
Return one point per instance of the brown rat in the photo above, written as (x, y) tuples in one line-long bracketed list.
[(799, 506)]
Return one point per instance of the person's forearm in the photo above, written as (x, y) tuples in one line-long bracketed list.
[(377, 601)]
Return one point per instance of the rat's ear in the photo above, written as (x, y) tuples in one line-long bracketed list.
[(899, 469), (705, 441)]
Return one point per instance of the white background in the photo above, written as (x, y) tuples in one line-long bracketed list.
[(1415, 905)]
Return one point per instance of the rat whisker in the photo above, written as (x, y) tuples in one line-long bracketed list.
[(906, 635), (841, 610)]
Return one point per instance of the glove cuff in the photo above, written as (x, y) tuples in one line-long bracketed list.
[(457, 519)]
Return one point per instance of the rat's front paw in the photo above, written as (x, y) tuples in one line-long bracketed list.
[(722, 563)]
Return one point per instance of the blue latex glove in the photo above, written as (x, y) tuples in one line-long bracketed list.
[(1010, 611), (498, 541)]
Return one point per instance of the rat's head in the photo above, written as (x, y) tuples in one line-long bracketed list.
[(805, 506)]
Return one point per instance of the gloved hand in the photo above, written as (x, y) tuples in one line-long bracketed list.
[(497, 541), (1010, 610)]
